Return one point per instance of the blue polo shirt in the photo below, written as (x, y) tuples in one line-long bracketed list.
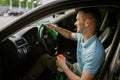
[(90, 54)]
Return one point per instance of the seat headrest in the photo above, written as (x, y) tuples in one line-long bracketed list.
[(105, 37)]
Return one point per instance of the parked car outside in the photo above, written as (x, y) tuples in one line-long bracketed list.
[(21, 43), (16, 12)]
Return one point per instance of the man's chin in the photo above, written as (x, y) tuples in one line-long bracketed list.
[(78, 31)]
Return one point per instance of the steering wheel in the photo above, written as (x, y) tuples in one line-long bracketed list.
[(48, 39)]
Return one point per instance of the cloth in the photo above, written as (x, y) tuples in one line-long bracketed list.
[(90, 55), (73, 68)]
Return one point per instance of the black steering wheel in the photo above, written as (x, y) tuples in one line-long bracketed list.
[(48, 39)]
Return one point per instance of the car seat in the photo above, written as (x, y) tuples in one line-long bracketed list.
[(115, 66), (106, 37), (106, 31), (104, 69)]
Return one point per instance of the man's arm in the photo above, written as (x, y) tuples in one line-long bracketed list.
[(72, 76), (64, 32)]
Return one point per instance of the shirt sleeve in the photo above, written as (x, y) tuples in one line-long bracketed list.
[(77, 36), (92, 63)]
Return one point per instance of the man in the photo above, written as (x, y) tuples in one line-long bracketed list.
[(90, 52)]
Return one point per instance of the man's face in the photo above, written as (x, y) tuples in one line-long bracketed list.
[(80, 22)]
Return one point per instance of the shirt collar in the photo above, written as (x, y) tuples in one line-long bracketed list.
[(89, 41)]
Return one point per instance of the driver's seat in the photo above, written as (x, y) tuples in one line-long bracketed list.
[(106, 36)]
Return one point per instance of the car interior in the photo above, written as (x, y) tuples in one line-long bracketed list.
[(21, 51)]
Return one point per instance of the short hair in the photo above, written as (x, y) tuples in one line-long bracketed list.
[(94, 12)]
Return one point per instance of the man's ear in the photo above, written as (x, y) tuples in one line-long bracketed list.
[(88, 22)]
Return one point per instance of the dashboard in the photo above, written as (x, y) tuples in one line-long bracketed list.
[(23, 41), (20, 52), (21, 45)]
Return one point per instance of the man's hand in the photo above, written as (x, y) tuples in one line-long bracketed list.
[(51, 26), (61, 62), (64, 32)]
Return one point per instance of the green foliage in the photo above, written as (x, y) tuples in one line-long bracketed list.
[(4, 2), (15, 3)]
